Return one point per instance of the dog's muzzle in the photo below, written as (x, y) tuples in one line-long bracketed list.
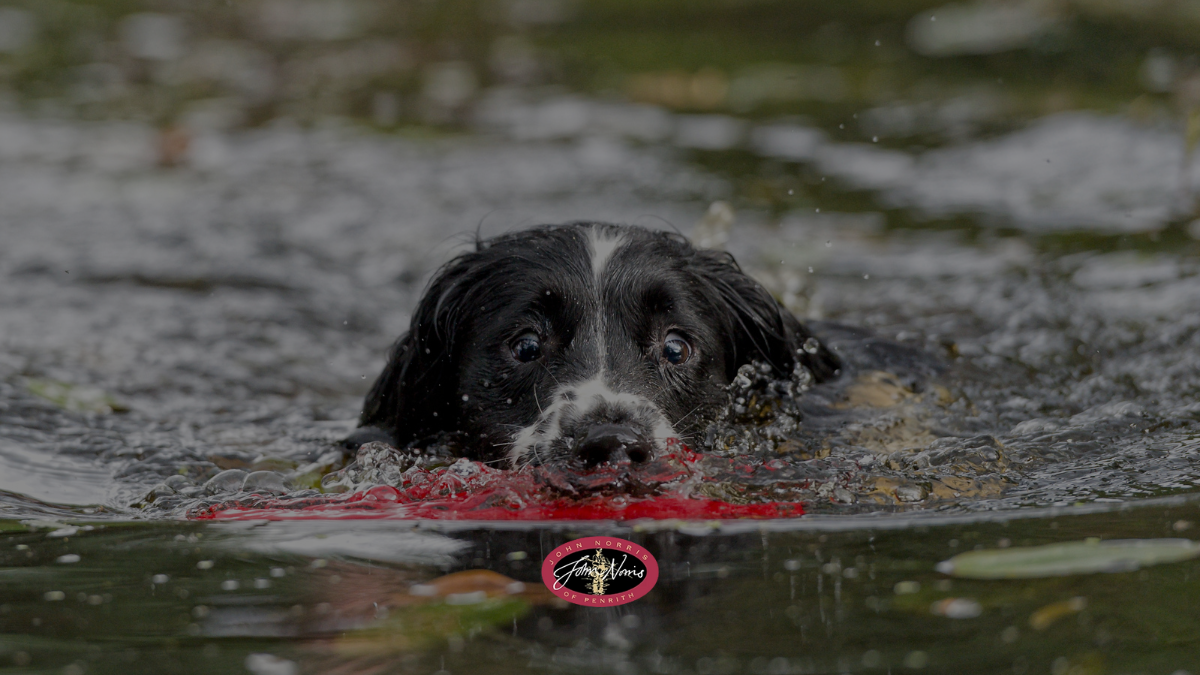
[(589, 425)]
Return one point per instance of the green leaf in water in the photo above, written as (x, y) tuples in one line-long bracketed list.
[(1077, 557)]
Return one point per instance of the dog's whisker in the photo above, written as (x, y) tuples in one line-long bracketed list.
[(551, 374), (681, 419)]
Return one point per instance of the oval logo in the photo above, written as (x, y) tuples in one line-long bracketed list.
[(600, 571)]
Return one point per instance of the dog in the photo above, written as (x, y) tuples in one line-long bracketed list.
[(579, 345)]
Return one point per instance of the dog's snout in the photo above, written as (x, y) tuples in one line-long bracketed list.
[(613, 443)]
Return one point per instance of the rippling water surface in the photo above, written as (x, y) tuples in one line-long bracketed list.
[(215, 220)]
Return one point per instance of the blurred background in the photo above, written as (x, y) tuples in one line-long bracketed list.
[(744, 88)]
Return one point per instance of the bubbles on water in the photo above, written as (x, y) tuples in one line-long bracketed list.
[(381, 464), (268, 482), (230, 480)]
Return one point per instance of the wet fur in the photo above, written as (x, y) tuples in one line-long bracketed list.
[(602, 295)]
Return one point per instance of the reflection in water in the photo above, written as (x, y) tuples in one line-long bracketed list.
[(821, 595)]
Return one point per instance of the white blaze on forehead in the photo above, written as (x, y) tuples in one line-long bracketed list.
[(602, 244)]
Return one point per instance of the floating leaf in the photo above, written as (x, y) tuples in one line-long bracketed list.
[(1078, 557)]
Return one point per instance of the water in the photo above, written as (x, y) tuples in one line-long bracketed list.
[(215, 220)]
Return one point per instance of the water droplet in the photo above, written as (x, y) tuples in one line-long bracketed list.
[(866, 276), (159, 579), (818, 210), (828, 244), (812, 345), (874, 139), (877, 43), (465, 398), (810, 270), (508, 401)]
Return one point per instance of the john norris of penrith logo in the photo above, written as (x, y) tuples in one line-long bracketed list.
[(600, 571)]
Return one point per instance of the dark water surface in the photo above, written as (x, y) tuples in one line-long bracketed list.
[(215, 217)]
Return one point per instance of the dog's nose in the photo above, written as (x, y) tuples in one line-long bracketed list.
[(613, 443)]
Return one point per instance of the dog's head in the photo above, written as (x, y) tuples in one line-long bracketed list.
[(581, 344)]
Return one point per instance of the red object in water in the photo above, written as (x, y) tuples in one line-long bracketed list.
[(384, 502), (472, 491)]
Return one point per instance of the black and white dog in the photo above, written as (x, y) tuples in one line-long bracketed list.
[(580, 344)]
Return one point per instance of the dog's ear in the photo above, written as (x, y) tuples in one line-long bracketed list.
[(414, 395), (758, 326)]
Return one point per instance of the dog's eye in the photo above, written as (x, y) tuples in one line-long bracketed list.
[(526, 348), (676, 350)]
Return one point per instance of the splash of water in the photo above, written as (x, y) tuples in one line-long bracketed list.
[(467, 490)]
